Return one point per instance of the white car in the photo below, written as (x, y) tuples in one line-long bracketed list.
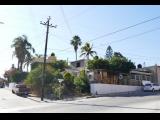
[(151, 87)]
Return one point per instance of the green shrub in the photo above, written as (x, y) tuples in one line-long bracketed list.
[(69, 81), (82, 83), (35, 77)]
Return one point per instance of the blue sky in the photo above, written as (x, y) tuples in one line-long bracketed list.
[(87, 21)]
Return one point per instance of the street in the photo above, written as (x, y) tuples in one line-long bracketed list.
[(137, 103)]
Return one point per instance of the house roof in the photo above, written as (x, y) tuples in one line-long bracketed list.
[(78, 60), (141, 71), (41, 60)]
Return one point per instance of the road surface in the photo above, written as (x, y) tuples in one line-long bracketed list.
[(138, 103)]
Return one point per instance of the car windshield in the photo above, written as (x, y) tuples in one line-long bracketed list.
[(147, 84)]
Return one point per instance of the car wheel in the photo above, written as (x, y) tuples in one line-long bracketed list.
[(13, 92)]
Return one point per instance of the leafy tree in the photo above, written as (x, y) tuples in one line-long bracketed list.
[(98, 64), (116, 64), (87, 51), (118, 54), (109, 52), (60, 65), (22, 49), (82, 83), (121, 64), (69, 81), (75, 42), (139, 66), (52, 54), (35, 76), (18, 76)]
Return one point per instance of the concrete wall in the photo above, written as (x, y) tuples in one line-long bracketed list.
[(111, 88), (11, 85)]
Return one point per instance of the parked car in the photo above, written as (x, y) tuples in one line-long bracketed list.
[(151, 87), (20, 89)]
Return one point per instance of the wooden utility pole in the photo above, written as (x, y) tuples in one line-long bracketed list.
[(45, 53)]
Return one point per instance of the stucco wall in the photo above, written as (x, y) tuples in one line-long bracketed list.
[(99, 88)]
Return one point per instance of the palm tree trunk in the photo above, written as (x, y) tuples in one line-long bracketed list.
[(21, 66), (18, 65), (76, 55), (27, 67), (87, 57)]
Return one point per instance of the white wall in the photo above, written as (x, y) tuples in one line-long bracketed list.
[(11, 85), (111, 88)]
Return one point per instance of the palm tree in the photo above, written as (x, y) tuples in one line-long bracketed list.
[(38, 55), (86, 51), (28, 60), (22, 49), (76, 41)]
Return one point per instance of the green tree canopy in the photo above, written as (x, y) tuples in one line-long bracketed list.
[(60, 65), (22, 50), (116, 64)]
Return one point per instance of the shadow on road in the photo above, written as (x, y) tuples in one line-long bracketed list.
[(108, 106), (131, 94)]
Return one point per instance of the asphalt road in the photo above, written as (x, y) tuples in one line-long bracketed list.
[(124, 103)]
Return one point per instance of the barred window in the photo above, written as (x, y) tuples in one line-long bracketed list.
[(137, 77)]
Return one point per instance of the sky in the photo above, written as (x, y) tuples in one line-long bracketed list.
[(86, 21)]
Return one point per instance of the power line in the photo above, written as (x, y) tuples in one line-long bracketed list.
[(133, 36), (80, 13), (129, 37), (136, 35), (65, 19), (111, 33), (144, 57)]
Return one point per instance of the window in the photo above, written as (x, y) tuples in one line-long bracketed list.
[(78, 64), (143, 77), (137, 77), (148, 78), (133, 76)]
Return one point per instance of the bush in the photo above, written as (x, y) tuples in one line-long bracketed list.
[(69, 83), (58, 91), (82, 83), (59, 65), (18, 76), (35, 76)]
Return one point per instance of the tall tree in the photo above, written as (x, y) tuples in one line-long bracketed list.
[(28, 60), (87, 51), (22, 48), (109, 52), (75, 42), (118, 54)]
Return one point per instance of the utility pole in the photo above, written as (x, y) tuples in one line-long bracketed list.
[(45, 53)]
